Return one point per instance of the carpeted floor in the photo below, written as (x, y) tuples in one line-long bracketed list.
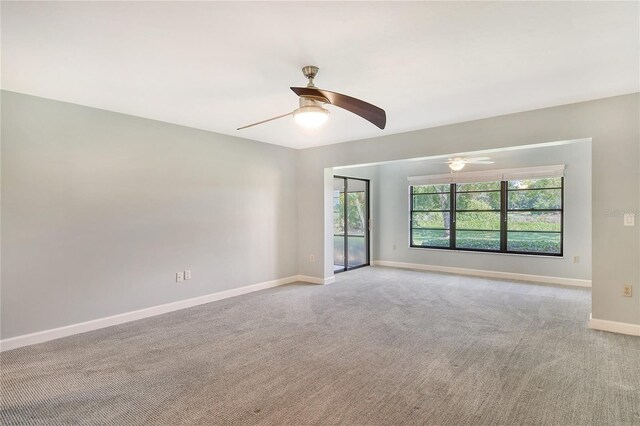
[(379, 347)]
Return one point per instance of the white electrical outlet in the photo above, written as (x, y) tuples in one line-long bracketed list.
[(179, 277), (629, 219), (187, 274), (576, 259), (627, 290), (394, 246), (312, 258)]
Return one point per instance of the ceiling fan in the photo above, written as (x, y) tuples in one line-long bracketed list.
[(311, 113), (457, 163)]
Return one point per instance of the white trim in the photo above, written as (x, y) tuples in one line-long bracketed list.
[(316, 280), (482, 253), (490, 175), (614, 326), (56, 333), (488, 274)]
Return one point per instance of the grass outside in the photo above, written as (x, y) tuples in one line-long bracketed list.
[(537, 242)]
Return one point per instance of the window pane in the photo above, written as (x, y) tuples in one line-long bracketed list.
[(535, 199), (431, 202), (357, 251), (478, 220), (478, 201), (430, 189), (338, 250), (423, 237), (482, 240), (535, 242), (534, 221), (338, 212), (356, 213), (478, 186), (439, 220), (555, 182)]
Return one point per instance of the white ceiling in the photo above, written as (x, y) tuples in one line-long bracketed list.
[(217, 66)]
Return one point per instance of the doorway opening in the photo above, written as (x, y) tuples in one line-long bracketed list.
[(350, 223)]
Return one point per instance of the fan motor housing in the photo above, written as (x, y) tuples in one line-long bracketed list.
[(310, 71)]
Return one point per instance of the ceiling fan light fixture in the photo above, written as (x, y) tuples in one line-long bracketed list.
[(456, 164), (311, 116)]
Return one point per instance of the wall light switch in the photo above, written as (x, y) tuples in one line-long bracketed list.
[(187, 274), (627, 290), (179, 277), (312, 258), (629, 219)]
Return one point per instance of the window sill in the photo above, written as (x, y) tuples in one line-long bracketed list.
[(545, 256)]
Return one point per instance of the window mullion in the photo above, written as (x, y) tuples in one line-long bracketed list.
[(503, 216), (452, 216), (411, 216), (562, 216)]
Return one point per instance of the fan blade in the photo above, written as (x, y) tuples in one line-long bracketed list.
[(369, 112), (474, 159), (264, 121)]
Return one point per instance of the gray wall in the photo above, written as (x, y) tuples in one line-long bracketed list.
[(390, 219), (612, 123), (100, 210)]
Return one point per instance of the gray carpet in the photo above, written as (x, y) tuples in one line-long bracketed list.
[(379, 347)]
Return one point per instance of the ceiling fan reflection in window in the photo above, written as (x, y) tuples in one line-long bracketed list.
[(311, 112), (457, 163)]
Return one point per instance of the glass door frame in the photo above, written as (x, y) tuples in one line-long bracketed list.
[(367, 228)]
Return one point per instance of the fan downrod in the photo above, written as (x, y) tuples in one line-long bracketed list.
[(310, 72)]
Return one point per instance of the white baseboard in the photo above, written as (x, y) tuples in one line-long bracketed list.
[(316, 280), (56, 333), (615, 327), (488, 274)]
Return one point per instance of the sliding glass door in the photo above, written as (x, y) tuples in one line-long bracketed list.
[(350, 223)]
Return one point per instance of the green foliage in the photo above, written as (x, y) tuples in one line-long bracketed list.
[(478, 201), (478, 186), (478, 240), (430, 189), (534, 221), (356, 213), (431, 202), (523, 195), (535, 199), (533, 242), (478, 220), (517, 241), (438, 220), (433, 238)]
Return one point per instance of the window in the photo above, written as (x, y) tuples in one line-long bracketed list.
[(508, 216), (477, 219), (534, 216), (431, 215)]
